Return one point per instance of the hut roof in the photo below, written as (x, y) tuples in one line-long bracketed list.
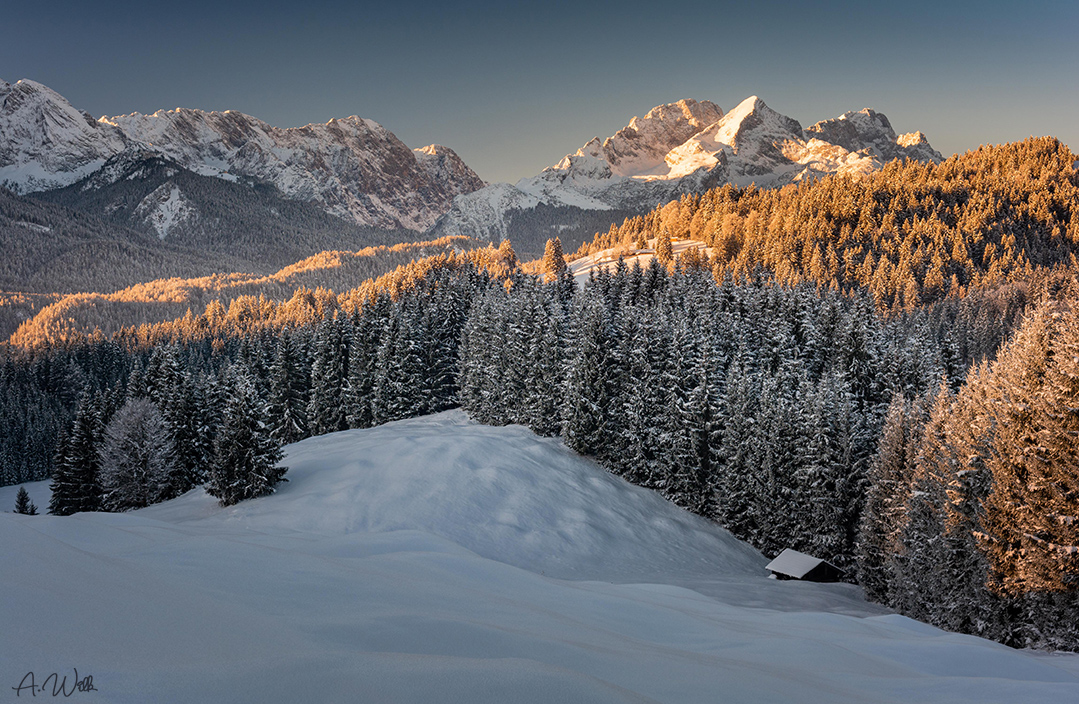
[(796, 564)]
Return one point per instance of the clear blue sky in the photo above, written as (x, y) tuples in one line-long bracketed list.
[(512, 87)]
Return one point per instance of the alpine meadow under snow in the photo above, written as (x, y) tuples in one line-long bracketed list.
[(435, 559)]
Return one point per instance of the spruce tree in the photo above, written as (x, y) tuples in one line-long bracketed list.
[(1032, 513), (75, 482), (545, 382), (186, 413), (736, 449), (246, 455), (923, 554), (23, 504), (643, 398), (587, 413), (664, 248), (888, 491), (400, 372), (327, 411), (363, 361), (554, 262), (288, 393)]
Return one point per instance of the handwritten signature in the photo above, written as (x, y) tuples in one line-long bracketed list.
[(58, 686)]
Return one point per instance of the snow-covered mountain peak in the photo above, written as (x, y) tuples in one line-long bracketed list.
[(635, 154), (352, 167), (45, 142), (640, 148), (751, 139), (753, 124), (868, 129), (686, 110), (688, 147), (443, 165)]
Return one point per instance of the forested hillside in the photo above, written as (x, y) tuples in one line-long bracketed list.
[(247, 219), (80, 315), (52, 249), (909, 234)]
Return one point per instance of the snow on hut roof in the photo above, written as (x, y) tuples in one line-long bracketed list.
[(793, 563)]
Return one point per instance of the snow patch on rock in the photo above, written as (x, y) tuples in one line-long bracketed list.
[(166, 208)]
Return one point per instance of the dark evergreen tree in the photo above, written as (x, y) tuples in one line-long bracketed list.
[(23, 504), (587, 416), (288, 392), (924, 553), (327, 411), (75, 482), (544, 379), (888, 492), (246, 455), (399, 382), (191, 431)]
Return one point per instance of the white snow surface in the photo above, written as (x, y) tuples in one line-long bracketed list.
[(607, 259), (438, 560)]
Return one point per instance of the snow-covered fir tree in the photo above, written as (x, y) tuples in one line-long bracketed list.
[(554, 261), (289, 391), (327, 411), (75, 481), (137, 460), (246, 455)]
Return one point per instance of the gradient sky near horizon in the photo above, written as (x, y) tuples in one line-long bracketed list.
[(512, 87)]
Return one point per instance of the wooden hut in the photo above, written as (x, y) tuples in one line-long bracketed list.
[(791, 564)]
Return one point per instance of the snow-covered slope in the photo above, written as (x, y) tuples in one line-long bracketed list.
[(437, 560), (687, 147), (353, 168)]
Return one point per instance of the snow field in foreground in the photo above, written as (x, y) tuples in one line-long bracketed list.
[(438, 560)]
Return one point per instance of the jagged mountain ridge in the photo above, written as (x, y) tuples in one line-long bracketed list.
[(352, 168), (686, 147)]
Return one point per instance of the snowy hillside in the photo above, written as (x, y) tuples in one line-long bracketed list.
[(437, 560)]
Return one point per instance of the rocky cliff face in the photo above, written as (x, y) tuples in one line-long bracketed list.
[(353, 168)]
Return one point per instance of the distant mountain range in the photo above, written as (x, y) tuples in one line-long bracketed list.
[(678, 148), (227, 187), (352, 168)]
